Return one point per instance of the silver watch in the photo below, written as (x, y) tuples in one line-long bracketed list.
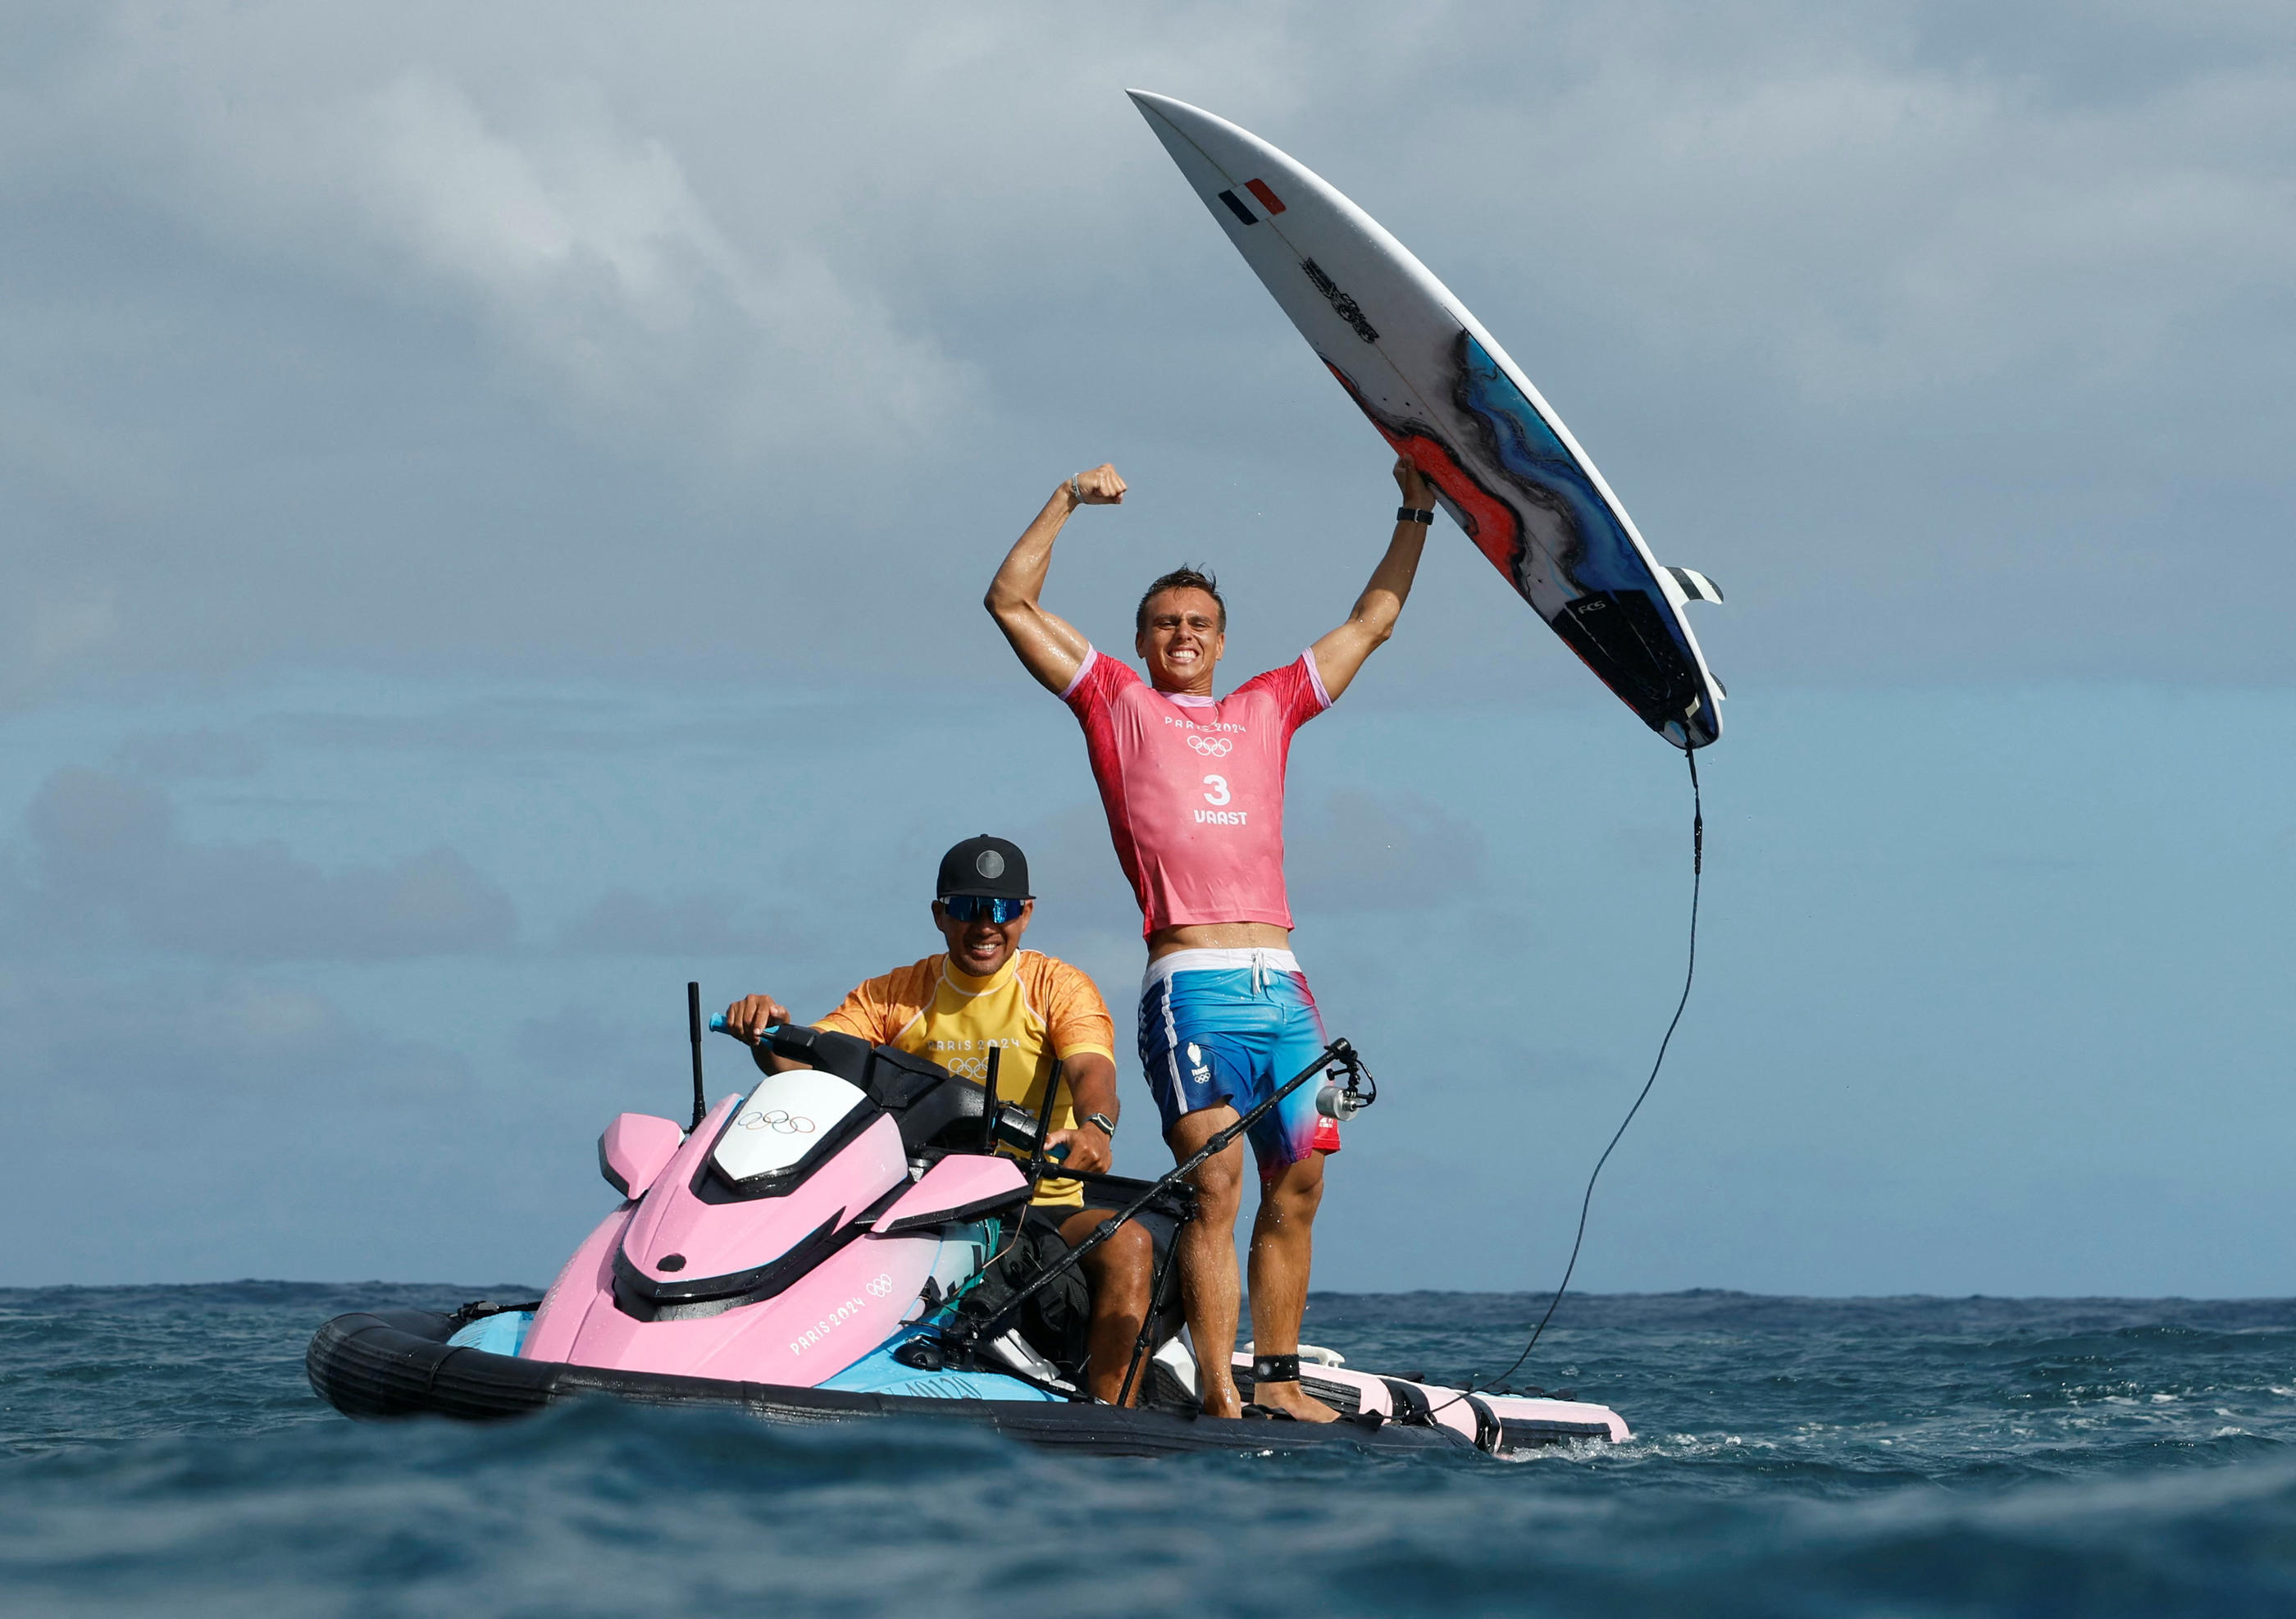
[(1107, 1125)]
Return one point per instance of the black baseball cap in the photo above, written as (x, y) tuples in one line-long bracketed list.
[(991, 868)]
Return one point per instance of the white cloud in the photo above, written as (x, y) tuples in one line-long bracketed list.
[(574, 242), (1834, 203), (587, 251), (551, 336)]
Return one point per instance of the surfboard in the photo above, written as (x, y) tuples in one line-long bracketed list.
[(1440, 390)]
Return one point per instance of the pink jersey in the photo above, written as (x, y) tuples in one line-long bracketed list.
[(1195, 788)]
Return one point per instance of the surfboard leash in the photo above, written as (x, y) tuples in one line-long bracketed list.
[(1690, 972)]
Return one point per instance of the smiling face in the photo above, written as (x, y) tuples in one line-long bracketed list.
[(980, 947), (1183, 641)]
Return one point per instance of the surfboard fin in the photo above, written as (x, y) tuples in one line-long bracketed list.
[(1695, 584)]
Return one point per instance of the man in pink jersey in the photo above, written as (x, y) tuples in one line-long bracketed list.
[(1193, 788)]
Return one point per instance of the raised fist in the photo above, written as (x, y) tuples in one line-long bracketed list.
[(1099, 486)]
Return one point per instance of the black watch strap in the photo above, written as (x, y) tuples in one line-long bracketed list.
[(1413, 514), (1107, 1125)]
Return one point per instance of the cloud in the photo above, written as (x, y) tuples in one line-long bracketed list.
[(626, 923), (577, 248), (81, 1040), (205, 753), (584, 249), (64, 627), (107, 854), (573, 337)]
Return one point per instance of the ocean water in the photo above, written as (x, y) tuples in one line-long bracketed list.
[(160, 1453)]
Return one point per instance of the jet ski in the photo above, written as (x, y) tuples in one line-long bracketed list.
[(820, 1249)]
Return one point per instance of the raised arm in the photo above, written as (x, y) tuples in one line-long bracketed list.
[(1341, 653), (1049, 647)]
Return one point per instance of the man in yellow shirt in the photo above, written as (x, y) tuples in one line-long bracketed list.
[(985, 993)]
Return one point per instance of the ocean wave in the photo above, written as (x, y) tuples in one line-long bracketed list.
[(1791, 1458)]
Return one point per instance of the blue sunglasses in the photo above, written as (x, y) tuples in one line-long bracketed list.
[(972, 907)]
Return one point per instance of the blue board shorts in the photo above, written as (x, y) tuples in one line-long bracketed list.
[(1233, 1026)]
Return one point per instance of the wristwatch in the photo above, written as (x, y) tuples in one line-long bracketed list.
[(1414, 515), (1107, 1125)]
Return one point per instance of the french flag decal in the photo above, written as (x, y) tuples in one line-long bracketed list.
[(1261, 194)]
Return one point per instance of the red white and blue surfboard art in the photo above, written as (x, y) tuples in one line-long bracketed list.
[(1441, 390)]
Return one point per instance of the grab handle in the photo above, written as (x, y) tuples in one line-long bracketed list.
[(718, 1025)]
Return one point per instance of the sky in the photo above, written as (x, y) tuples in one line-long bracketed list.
[(495, 507)]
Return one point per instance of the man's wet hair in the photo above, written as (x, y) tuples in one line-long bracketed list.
[(1181, 578)]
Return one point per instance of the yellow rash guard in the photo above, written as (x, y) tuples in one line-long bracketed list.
[(1034, 1008)]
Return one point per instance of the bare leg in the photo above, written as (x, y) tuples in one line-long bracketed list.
[(1118, 1272), (1209, 1288), (1282, 1253)]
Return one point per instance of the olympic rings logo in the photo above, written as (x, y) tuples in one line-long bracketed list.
[(879, 1287), (779, 1121), (1212, 747)]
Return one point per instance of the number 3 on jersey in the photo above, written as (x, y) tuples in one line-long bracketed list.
[(1218, 794)]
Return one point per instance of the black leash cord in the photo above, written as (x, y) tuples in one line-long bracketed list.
[(1697, 877)]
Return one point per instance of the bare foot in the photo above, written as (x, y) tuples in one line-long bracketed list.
[(1291, 1398), (1221, 1399)]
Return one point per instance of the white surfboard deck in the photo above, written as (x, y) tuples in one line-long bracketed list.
[(1440, 390)]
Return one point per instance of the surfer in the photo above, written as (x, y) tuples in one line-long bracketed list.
[(1193, 788), (1044, 1016)]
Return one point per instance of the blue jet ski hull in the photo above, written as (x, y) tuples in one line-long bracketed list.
[(395, 1363)]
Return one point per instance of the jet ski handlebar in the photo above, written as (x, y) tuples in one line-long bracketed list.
[(718, 1025), (1341, 1102), (1008, 1122)]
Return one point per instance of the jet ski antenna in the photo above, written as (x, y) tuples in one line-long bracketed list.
[(989, 1107), (693, 1034), (1044, 1125)]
